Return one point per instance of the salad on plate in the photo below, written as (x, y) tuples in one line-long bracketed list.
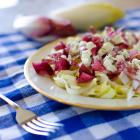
[(96, 64)]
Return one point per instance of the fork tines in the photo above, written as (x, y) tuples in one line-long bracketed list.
[(40, 127)]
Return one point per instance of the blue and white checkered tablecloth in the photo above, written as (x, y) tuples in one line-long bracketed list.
[(79, 124)]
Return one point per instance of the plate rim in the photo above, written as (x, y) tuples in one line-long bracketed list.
[(98, 107)]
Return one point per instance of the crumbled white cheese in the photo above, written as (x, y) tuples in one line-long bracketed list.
[(74, 44), (122, 56), (86, 57), (118, 39), (82, 43), (96, 57), (137, 46), (124, 53), (90, 45), (77, 38), (106, 48), (73, 39), (69, 40), (74, 49), (136, 63), (119, 58), (63, 56), (108, 63), (130, 38), (69, 58)]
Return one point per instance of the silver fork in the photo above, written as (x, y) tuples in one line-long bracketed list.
[(30, 121)]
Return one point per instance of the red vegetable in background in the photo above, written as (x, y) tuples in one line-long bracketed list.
[(62, 28), (45, 26)]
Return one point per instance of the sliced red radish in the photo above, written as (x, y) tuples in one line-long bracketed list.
[(121, 65), (61, 64), (131, 72), (56, 55), (98, 41), (43, 68), (112, 75), (122, 46), (84, 77), (49, 61), (98, 66), (60, 46), (87, 37), (66, 50), (84, 69), (94, 51)]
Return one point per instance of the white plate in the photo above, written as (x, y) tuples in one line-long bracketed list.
[(47, 87)]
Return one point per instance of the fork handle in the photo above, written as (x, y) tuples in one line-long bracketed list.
[(10, 102)]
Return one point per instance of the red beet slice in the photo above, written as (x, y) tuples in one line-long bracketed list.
[(61, 64), (112, 75), (84, 69), (60, 46), (121, 65), (122, 46), (87, 37), (98, 66), (94, 51), (66, 50), (43, 68), (56, 55), (98, 41), (84, 77), (49, 61), (131, 70)]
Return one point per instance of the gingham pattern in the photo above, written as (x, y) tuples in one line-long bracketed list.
[(79, 124)]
